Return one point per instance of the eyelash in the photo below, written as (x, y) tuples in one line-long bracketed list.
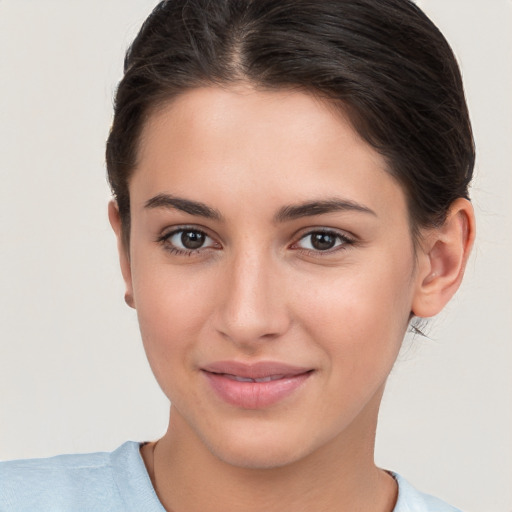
[(345, 242), (164, 240)]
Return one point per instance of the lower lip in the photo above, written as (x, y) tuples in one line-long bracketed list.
[(254, 395)]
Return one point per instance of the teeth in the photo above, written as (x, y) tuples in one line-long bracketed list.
[(270, 378), (247, 379), (240, 379)]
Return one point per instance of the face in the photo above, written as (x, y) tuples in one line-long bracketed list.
[(272, 270)]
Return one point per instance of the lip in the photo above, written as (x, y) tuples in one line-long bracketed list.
[(235, 383)]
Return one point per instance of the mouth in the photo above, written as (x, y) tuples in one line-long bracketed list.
[(255, 386), (238, 378)]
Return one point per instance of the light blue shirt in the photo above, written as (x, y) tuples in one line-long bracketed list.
[(115, 482)]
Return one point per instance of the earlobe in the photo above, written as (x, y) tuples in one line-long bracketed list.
[(123, 251), (443, 259)]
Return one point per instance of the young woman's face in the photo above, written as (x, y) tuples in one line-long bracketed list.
[(272, 269)]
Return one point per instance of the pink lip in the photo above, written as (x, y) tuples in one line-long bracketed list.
[(281, 381)]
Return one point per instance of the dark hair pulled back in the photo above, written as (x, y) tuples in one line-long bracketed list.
[(382, 61)]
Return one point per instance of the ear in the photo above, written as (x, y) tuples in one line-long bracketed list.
[(124, 252), (442, 259)]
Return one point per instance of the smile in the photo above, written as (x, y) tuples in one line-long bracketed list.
[(248, 379), (255, 386)]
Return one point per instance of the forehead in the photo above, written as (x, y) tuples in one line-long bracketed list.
[(281, 144), (212, 114)]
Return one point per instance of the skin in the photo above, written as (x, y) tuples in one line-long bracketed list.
[(258, 290)]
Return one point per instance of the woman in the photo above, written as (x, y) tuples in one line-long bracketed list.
[(291, 192)]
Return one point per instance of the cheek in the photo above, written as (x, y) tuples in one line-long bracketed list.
[(171, 308), (360, 316)]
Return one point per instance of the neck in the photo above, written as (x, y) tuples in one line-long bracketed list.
[(340, 476)]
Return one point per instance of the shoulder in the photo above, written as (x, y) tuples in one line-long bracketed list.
[(69, 482), (412, 500)]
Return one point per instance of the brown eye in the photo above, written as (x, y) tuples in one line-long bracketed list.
[(323, 241), (187, 240), (192, 239)]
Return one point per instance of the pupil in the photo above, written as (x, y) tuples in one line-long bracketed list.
[(323, 241), (192, 239)]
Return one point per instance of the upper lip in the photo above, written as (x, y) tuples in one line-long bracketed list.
[(258, 370)]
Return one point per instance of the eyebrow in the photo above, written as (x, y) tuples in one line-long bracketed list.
[(286, 213), (185, 205), (320, 207)]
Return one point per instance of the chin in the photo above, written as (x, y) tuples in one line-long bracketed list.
[(259, 449), (258, 456)]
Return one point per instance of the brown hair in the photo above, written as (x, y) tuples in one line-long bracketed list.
[(382, 61)]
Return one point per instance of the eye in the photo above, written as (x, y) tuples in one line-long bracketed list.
[(187, 241), (323, 241)]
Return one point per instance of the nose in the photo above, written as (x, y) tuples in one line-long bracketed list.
[(253, 303)]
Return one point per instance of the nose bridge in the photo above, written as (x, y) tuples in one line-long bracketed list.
[(252, 308)]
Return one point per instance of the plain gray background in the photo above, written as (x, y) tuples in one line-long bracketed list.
[(73, 375)]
